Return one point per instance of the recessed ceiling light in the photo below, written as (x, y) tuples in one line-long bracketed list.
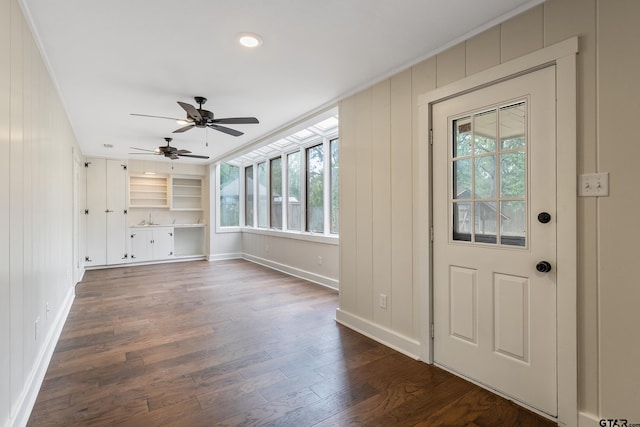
[(250, 40)]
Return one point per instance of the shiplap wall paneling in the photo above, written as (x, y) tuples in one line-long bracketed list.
[(482, 51), (5, 226), (522, 34), (364, 215), (36, 229), (16, 201), (381, 152), (619, 95), (348, 215), (423, 79), (401, 204)]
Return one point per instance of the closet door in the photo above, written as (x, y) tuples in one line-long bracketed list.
[(115, 210), (96, 176)]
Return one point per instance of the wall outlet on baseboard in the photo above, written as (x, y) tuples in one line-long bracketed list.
[(319, 260)]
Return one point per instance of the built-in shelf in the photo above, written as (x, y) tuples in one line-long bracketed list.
[(186, 193), (148, 191)]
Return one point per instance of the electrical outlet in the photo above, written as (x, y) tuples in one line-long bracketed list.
[(35, 329), (266, 248), (319, 260), (46, 311), (383, 301)]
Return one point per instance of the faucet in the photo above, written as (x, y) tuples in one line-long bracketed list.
[(150, 222)]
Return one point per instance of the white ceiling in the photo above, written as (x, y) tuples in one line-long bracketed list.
[(113, 58)]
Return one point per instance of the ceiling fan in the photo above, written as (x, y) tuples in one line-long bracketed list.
[(169, 151), (197, 117)]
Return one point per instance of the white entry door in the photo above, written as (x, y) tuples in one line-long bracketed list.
[(494, 254)]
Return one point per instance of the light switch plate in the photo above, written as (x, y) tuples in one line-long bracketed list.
[(593, 184)]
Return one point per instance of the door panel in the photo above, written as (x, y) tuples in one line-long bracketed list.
[(116, 218), (493, 173)]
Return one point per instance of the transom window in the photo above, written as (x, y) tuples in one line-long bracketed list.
[(488, 164)]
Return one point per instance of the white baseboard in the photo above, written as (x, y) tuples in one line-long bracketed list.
[(294, 271), (24, 405), (224, 257), (588, 420), (405, 345)]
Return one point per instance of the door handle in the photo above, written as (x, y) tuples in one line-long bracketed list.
[(544, 217), (543, 267)]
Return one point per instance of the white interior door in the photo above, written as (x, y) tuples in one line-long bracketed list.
[(116, 204), (494, 206)]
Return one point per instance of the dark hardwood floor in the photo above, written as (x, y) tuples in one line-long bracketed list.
[(231, 343)]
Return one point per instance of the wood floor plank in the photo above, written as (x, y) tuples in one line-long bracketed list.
[(232, 343)]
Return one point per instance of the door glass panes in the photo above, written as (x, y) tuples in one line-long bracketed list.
[(276, 192), (489, 179), (512, 224), (484, 132), (462, 221), (512, 178), (462, 179), (485, 221), (262, 194), (229, 195), (485, 177), (315, 189), (294, 213), (462, 137), (248, 196)]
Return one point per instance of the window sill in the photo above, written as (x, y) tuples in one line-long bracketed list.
[(333, 239)]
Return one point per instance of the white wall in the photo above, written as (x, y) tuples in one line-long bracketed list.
[(380, 243), (36, 221)]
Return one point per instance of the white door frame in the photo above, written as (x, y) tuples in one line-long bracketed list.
[(563, 55)]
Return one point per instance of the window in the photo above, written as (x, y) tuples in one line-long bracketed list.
[(229, 195), (248, 196), (315, 188), (292, 184), (262, 194), (489, 161), (276, 192), (294, 213), (334, 193)]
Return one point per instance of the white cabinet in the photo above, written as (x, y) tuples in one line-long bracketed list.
[(189, 241), (106, 212), (186, 193), (151, 243)]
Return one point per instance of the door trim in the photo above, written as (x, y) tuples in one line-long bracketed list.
[(563, 56)]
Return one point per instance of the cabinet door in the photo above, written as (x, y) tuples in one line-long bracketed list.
[(116, 205), (163, 243), (142, 245), (96, 252)]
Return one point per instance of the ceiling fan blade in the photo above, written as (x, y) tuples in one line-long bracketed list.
[(173, 156), (143, 149), (183, 129), (237, 120), (195, 156), (183, 152), (227, 130), (191, 111), (156, 117)]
